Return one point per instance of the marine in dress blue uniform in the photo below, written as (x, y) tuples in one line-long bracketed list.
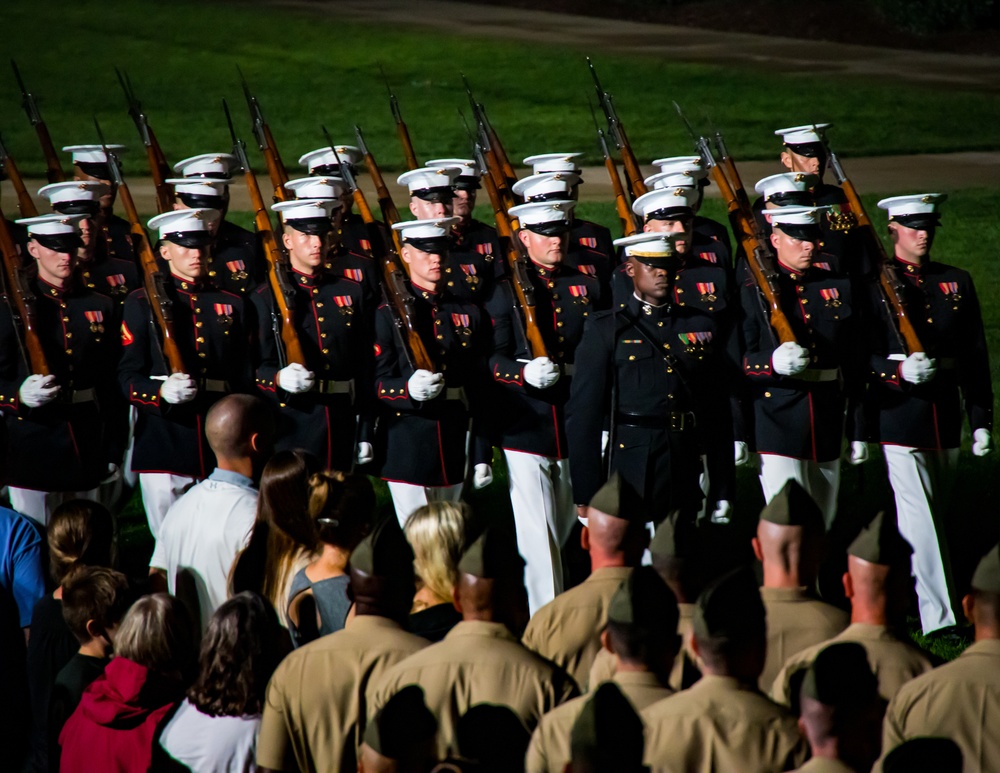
[(657, 362), (212, 328), (428, 418), (801, 391), (57, 431), (529, 406), (920, 398), (319, 401)]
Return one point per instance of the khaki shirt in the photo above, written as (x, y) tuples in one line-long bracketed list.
[(567, 630), (795, 621), (722, 726), (820, 765), (317, 699), (894, 661), (686, 670), (478, 662), (549, 750), (959, 700)]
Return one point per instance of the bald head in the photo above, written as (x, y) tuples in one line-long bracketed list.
[(502, 600), (878, 593), (788, 554), (239, 429), (613, 541)]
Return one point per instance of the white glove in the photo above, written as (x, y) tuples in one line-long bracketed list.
[(982, 442), (365, 453), (482, 476), (541, 373), (858, 453), (918, 368), (178, 388), (790, 359), (114, 474), (296, 379), (38, 390), (424, 385), (722, 514), (741, 453)]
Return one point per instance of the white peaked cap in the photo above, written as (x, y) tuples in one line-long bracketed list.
[(303, 209), (537, 213), (786, 182), (92, 154), (349, 154), (317, 188), (207, 165), (802, 135), (795, 215), (544, 184), (664, 198), (648, 245), (426, 229), (184, 221), (917, 204), (52, 225), (428, 178), (73, 191), (552, 162), (199, 186)]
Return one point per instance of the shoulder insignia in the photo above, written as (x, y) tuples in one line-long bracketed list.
[(127, 337)]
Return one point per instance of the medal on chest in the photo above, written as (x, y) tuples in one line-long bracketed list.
[(96, 320), (355, 274), (485, 249), (707, 292), (116, 283), (469, 269), (579, 292), (460, 322), (345, 305), (950, 290), (224, 316), (696, 343), (841, 217), (237, 270), (831, 297)]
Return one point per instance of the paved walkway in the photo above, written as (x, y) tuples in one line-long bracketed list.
[(593, 35)]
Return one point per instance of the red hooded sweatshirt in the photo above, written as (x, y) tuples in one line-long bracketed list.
[(113, 728)]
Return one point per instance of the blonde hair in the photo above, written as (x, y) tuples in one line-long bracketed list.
[(157, 633), (437, 533)]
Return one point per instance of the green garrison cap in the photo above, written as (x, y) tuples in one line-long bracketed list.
[(608, 733), (792, 506), (619, 498), (385, 552), (881, 543), (730, 608), (491, 556), (987, 576), (924, 755), (644, 600), (402, 724), (675, 537), (840, 676)]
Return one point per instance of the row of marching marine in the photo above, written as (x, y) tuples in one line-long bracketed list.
[(410, 349)]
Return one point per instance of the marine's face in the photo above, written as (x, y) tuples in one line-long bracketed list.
[(682, 226), (305, 251), (547, 251), (429, 210), (425, 267), (796, 254), (649, 282), (187, 263), (53, 267), (463, 203), (912, 244), (794, 162)]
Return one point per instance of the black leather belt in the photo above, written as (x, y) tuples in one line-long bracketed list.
[(675, 421)]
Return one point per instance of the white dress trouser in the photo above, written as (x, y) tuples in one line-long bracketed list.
[(407, 497), (39, 505), (159, 491), (541, 496), (820, 479), (922, 483)]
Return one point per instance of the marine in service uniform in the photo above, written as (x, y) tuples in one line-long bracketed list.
[(800, 390), (529, 412), (475, 247), (430, 418), (657, 366), (920, 398), (90, 164), (340, 260), (212, 329), (57, 429), (319, 401)]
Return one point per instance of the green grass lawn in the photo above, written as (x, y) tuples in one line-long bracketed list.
[(312, 67)]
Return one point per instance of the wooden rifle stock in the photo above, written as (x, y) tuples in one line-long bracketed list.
[(25, 204), (53, 169), (517, 260), (729, 166), (401, 129), (625, 214), (21, 300)]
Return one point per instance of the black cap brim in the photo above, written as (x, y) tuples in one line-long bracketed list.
[(88, 208), (188, 238), (805, 233), (671, 213), (434, 194), (100, 171), (552, 228), (314, 226), (921, 222), (790, 199), (808, 149), (433, 246), (196, 201), (64, 243)]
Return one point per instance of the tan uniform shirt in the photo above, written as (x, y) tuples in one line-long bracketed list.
[(317, 699), (685, 671), (894, 661), (795, 621), (567, 630), (819, 765), (478, 662), (722, 726), (549, 749), (959, 700)]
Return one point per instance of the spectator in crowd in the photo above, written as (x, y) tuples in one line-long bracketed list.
[(402, 737), (283, 539), (567, 630), (114, 727), (215, 729), (319, 697), (341, 507), (95, 599), (203, 531), (80, 534), (438, 532)]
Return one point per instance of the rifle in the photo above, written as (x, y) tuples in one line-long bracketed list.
[(889, 280), (401, 299), (501, 168), (401, 130), (731, 171), (625, 214), (633, 175), (744, 225), (158, 166), (153, 280), (389, 212), (25, 204), (21, 300), (265, 141), (281, 286), (517, 259), (53, 169)]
